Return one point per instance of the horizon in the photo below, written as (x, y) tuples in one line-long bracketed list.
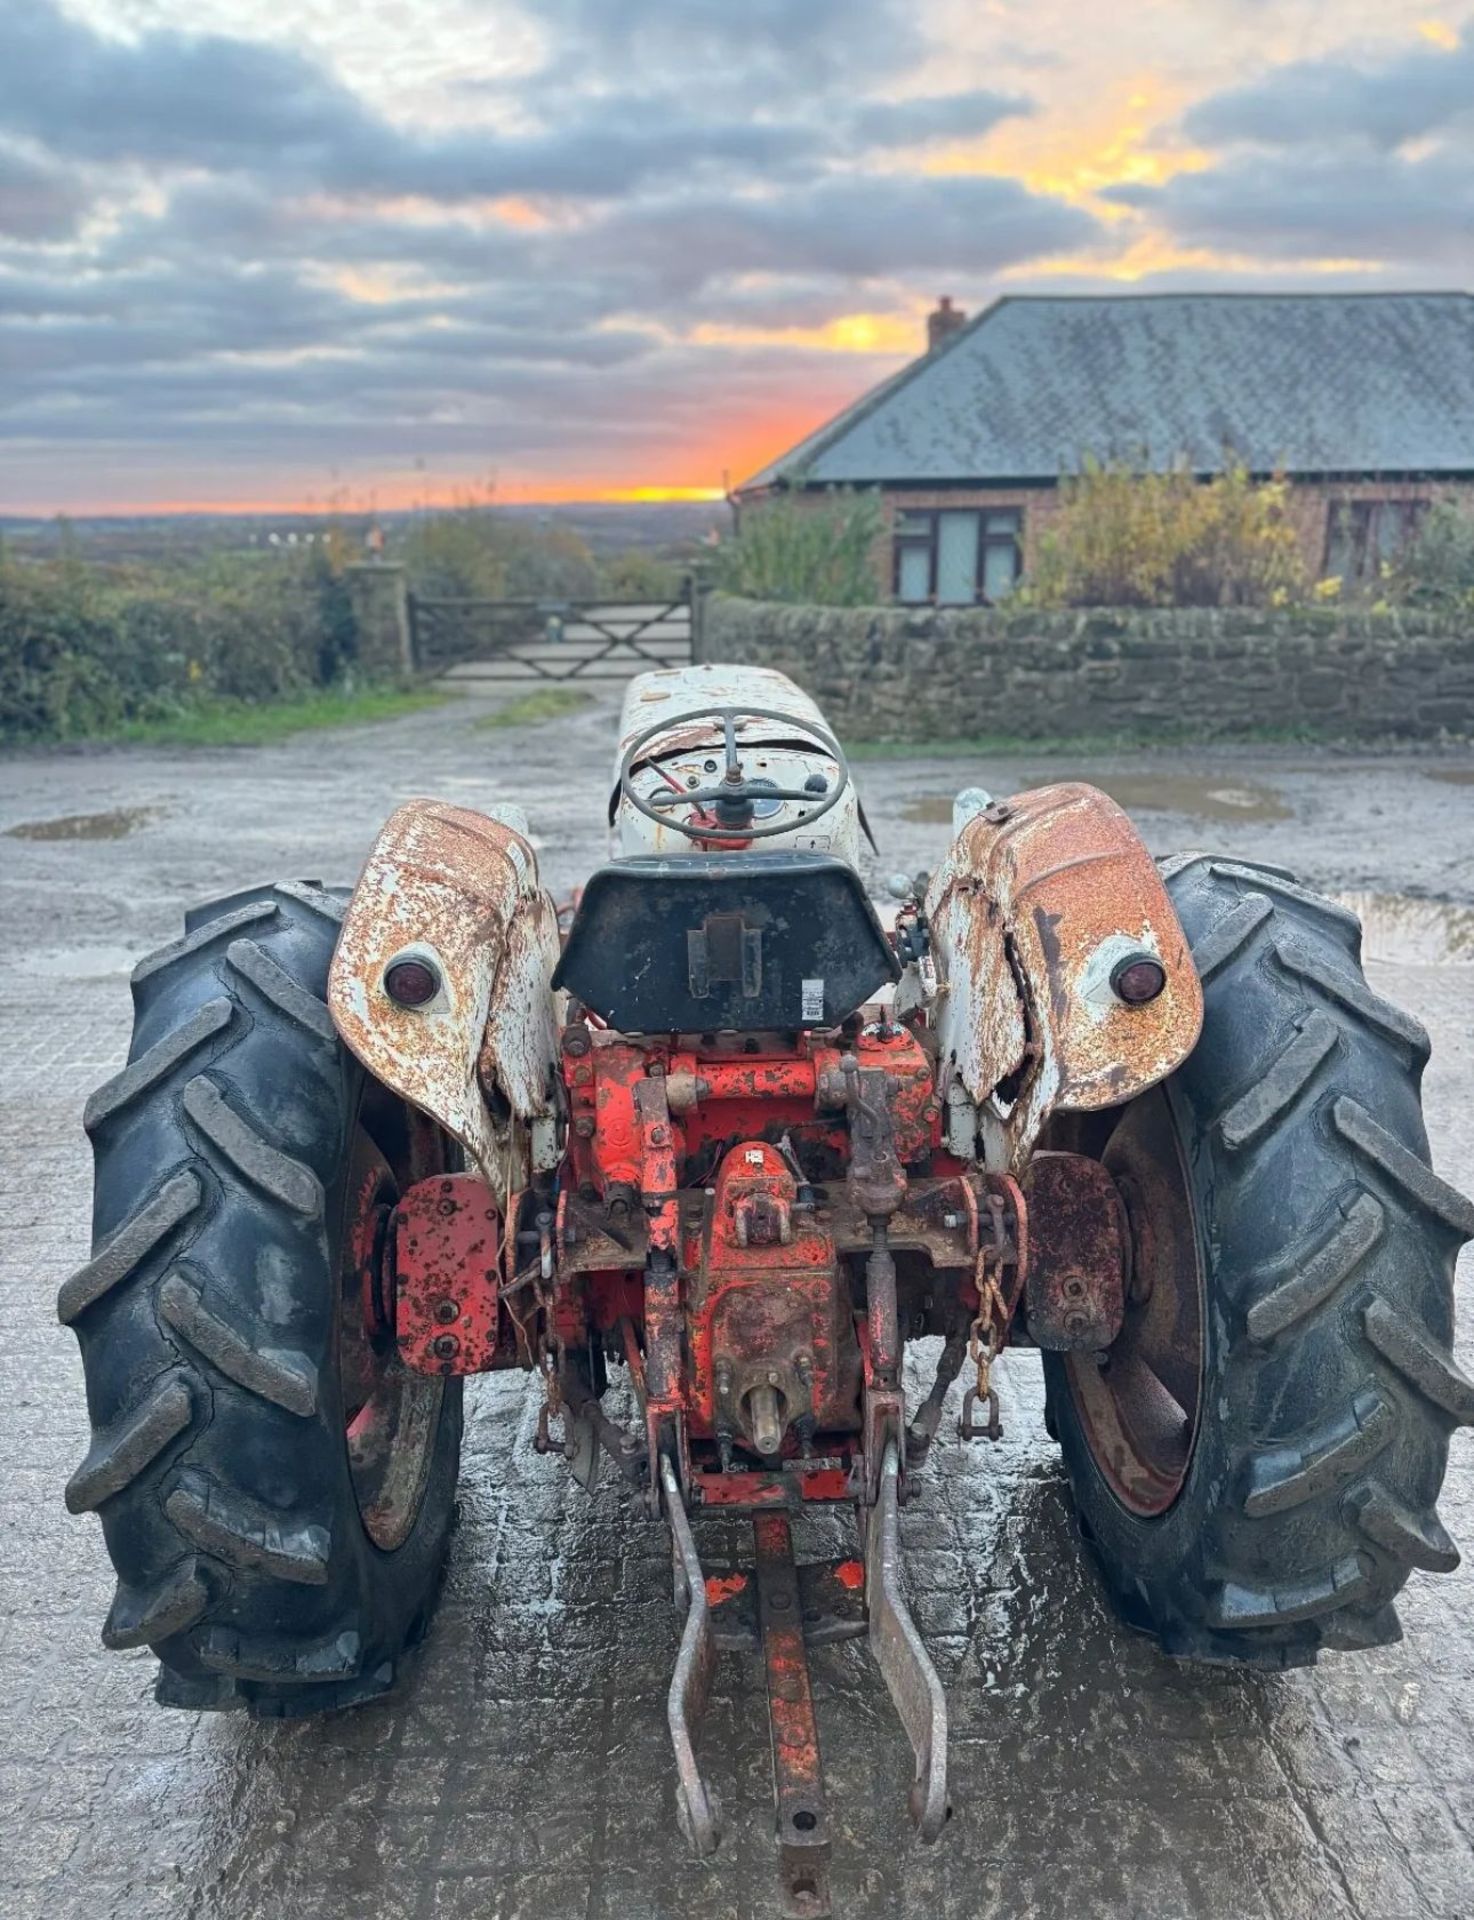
[(565, 254)]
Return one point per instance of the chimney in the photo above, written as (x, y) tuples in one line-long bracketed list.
[(943, 323)]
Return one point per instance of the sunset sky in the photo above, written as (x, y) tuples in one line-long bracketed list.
[(256, 254)]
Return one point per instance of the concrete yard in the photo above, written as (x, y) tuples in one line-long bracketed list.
[(524, 1768)]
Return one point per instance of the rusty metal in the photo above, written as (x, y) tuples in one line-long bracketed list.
[(767, 1310), (1036, 903), (390, 1412), (459, 891), (625, 1449), (1002, 1264), (446, 1253), (925, 1423), (800, 1811), (1139, 1403), (832, 1593), (874, 1180), (909, 1675), (1074, 1294), (793, 1485), (697, 1809)]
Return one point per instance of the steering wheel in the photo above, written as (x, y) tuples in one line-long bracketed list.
[(734, 797)]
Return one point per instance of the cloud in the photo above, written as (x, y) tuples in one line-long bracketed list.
[(548, 233), (727, 49), (37, 200), (222, 104), (933, 117), (853, 226), (1406, 96), (1375, 208)]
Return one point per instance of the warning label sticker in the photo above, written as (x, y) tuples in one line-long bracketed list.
[(813, 1000)]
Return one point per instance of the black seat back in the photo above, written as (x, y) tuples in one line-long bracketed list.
[(725, 942)]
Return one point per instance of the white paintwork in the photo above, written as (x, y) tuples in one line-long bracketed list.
[(771, 750), (459, 890)]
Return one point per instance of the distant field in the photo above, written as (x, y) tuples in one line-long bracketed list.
[(606, 528)]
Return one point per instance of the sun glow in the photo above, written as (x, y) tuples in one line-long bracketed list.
[(1077, 157), (847, 333), (1440, 34)]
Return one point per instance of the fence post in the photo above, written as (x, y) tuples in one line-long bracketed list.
[(379, 596), (698, 587)]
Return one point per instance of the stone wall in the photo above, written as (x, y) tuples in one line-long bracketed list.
[(918, 674), (379, 596)]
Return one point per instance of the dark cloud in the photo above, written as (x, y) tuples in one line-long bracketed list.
[(1404, 97), (732, 48), (854, 226), (224, 104), (37, 200), (1332, 206)]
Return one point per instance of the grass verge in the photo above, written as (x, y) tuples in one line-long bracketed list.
[(244, 723), (531, 709)]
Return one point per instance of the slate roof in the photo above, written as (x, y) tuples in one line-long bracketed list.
[(1304, 383)]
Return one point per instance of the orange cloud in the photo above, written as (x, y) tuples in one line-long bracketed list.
[(1077, 156), (847, 333)]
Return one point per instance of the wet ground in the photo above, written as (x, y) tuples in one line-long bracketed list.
[(524, 1771)]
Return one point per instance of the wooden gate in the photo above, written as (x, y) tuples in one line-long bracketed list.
[(522, 640)]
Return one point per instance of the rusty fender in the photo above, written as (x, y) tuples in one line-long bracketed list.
[(460, 891), (1039, 900)]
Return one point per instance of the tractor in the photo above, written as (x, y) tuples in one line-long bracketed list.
[(704, 1151)]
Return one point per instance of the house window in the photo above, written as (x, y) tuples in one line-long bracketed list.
[(957, 557), (1364, 535)]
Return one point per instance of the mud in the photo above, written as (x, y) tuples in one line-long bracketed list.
[(116, 825), (1401, 931), (523, 1772)]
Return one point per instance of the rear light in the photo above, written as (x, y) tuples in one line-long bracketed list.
[(411, 983), (1138, 979)]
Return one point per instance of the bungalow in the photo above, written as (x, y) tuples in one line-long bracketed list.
[(1365, 401)]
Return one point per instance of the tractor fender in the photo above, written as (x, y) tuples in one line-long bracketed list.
[(459, 890), (1039, 900)]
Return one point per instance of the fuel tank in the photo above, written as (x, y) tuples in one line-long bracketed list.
[(771, 711)]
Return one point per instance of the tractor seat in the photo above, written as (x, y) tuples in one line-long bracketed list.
[(725, 942)]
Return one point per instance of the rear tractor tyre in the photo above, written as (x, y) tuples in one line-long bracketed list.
[(1257, 1459), (275, 1489)]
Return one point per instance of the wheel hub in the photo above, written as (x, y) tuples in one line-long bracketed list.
[(390, 1414), (1139, 1400)]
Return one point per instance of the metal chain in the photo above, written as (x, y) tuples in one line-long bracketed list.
[(985, 1339)]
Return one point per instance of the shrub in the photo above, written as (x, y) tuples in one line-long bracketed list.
[(83, 651), (1124, 538), (476, 553), (795, 547), (1436, 569), (638, 574)]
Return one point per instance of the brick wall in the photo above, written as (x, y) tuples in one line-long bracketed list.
[(918, 674), (1309, 507)]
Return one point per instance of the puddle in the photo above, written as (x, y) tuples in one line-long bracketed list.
[(116, 825), (1452, 776), (929, 810), (1409, 932), (1199, 798)]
